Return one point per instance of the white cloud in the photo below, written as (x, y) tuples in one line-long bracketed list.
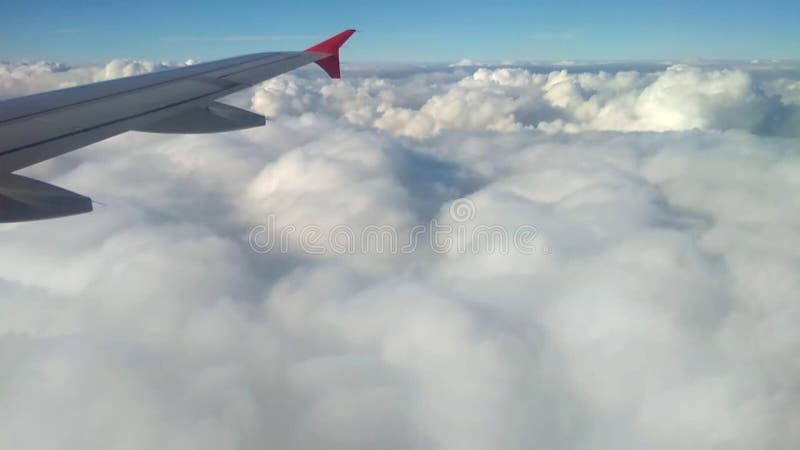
[(466, 62), (658, 309), (17, 79), (506, 99)]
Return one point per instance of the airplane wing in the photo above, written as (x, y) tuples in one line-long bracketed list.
[(42, 126)]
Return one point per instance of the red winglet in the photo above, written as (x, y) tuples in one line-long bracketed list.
[(331, 47)]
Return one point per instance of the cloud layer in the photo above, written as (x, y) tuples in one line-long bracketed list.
[(507, 99), (658, 311)]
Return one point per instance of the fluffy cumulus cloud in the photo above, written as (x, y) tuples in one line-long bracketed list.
[(26, 78), (654, 305), (503, 99)]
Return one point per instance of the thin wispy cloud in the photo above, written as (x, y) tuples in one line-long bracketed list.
[(237, 38), (552, 36)]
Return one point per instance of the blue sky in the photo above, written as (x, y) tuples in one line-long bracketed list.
[(408, 30)]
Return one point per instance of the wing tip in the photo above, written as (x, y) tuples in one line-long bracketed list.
[(331, 45), (329, 49)]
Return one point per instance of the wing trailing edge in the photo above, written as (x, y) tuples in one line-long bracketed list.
[(23, 199), (213, 118), (329, 52)]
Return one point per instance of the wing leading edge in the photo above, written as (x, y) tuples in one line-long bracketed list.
[(42, 126)]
